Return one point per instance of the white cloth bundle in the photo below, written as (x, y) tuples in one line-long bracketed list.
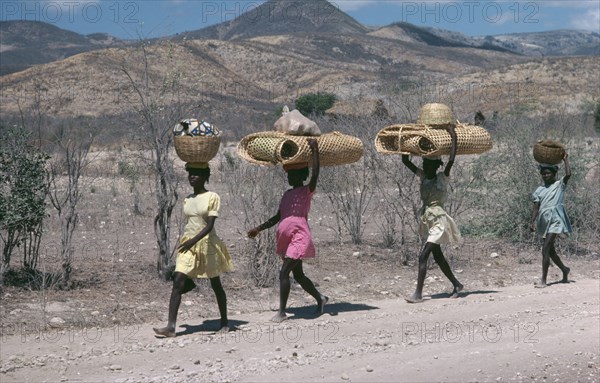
[(296, 124)]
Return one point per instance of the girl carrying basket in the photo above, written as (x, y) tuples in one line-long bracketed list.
[(201, 253), (436, 227), (294, 239), (549, 217)]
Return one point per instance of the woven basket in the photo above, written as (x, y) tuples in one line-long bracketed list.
[(260, 148), (267, 148), (198, 148), (548, 152), (435, 114), (425, 141), (272, 149)]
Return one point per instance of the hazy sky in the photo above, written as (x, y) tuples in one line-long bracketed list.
[(154, 18)]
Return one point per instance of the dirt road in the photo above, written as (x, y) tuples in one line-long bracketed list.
[(516, 333)]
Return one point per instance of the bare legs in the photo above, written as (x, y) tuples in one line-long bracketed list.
[(181, 285), (179, 288), (438, 256), (217, 287), (295, 266), (549, 253)]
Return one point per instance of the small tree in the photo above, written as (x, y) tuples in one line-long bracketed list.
[(315, 104), (157, 104), (71, 160), (23, 190)]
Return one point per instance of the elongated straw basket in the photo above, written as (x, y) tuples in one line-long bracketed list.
[(426, 141), (548, 152), (268, 148), (197, 148)]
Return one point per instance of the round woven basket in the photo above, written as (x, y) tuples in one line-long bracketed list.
[(435, 114), (261, 148), (197, 148), (422, 140), (268, 148), (548, 152)]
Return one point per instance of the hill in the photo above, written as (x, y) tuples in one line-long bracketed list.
[(552, 43), (261, 60), (276, 17), (548, 43), (27, 43)]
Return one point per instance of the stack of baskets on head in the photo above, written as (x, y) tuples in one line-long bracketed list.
[(429, 137), (289, 146), (196, 141), (548, 152)]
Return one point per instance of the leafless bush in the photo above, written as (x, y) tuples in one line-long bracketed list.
[(157, 104), (256, 193), (350, 188), (65, 192)]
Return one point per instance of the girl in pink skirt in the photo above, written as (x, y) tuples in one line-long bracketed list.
[(294, 240)]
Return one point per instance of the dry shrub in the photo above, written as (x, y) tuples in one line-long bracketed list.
[(256, 194)]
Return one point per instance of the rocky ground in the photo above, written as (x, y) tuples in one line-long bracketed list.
[(515, 333)]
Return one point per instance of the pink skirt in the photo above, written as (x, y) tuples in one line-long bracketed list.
[(294, 239)]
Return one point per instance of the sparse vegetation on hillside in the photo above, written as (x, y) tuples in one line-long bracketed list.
[(315, 104)]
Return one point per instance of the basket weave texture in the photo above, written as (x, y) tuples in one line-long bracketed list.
[(198, 148), (548, 152), (269, 148), (435, 114), (426, 141)]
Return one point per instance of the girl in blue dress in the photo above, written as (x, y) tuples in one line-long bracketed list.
[(549, 217)]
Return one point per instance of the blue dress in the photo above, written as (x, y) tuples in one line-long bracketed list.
[(552, 216)]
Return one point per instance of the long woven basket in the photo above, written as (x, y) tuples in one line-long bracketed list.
[(197, 148), (268, 148), (548, 152), (425, 141)]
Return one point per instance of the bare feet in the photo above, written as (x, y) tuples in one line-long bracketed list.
[(279, 317), (457, 289), (414, 298), (223, 330), (321, 306), (165, 331), (540, 285), (565, 278)]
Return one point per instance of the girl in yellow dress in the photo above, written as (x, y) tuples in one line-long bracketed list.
[(436, 226), (201, 253)]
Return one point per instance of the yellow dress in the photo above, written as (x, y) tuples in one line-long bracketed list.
[(435, 225), (209, 257)]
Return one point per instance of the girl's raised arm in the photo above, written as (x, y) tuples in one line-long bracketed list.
[(315, 164), (567, 168), (452, 132)]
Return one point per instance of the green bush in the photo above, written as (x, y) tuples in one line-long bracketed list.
[(23, 191), (315, 103)]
